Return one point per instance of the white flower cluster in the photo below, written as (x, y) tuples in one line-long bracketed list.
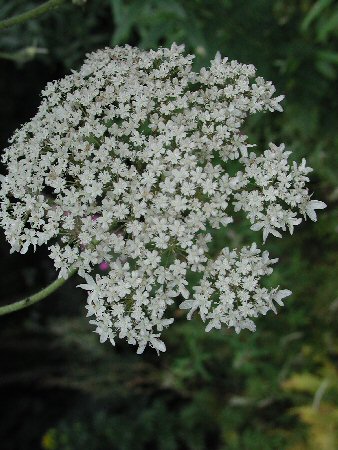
[(126, 162), (229, 291)]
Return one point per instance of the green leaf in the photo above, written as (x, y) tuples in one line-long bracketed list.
[(326, 69), (314, 13), (328, 56)]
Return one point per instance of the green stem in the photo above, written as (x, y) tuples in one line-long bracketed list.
[(7, 309), (31, 14), (9, 56)]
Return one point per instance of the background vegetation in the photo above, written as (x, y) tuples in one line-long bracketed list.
[(274, 389)]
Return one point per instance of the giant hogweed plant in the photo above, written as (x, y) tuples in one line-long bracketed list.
[(126, 164)]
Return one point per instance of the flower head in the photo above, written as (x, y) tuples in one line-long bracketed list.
[(126, 162)]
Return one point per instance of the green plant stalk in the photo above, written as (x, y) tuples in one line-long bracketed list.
[(31, 14), (28, 301), (9, 56)]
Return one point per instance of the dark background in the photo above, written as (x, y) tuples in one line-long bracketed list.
[(277, 388)]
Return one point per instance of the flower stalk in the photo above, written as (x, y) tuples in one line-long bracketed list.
[(31, 14), (35, 298)]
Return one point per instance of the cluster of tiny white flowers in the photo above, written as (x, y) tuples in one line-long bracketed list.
[(126, 162), (229, 291)]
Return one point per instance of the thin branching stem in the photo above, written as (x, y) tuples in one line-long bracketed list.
[(28, 301), (31, 14)]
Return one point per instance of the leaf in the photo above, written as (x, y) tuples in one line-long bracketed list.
[(329, 25), (304, 382), (328, 56), (323, 424), (326, 69), (314, 12), (125, 17)]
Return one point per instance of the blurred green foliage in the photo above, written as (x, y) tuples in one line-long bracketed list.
[(274, 389)]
